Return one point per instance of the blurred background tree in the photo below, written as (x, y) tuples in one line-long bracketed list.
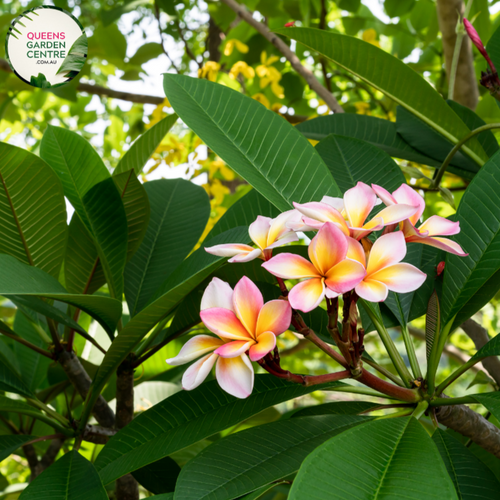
[(118, 95)]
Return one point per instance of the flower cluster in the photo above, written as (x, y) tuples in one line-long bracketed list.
[(344, 258)]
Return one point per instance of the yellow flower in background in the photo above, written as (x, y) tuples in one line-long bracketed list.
[(262, 99), (209, 71), (220, 166), (231, 44), (158, 113), (276, 107), (269, 74), (362, 108), (370, 36), (241, 67)]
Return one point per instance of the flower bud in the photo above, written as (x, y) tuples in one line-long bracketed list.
[(476, 40)]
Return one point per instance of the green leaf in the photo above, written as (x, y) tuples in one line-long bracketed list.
[(179, 213), (11, 382), (493, 48), (196, 268), (40, 81), (480, 378), (35, 236), (389, 458), (90, 189), (146, 52), (21, 280), (472, 479), (259, 145), (432, 324), (72, 477), (9, 444), (142, 149), (392, 77), (377, 131), (158, 477), (76, 57), (22, 408), (491, 401), (351, 160), (250, 459), (398, 8), (111, 15), (479, 216), (336, 408), (164, 496), (491, 348), (184, 419)]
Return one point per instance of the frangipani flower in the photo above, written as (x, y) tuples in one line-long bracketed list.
[(430, 231), (243, 323), (384, 270), (350, 216), (266, 233), (329, 273)]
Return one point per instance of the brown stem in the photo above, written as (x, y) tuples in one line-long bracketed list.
[(189, 52), (391, 390), (81, 381), (97, 435), (308, 75), (27, 344), (213, 40), (50, 455), (126, 486), (32, 458)]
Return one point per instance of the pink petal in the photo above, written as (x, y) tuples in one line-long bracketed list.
[(307, 295), (224, 323), (247, 257), (290, 266), (234, 348), (372, 290), (194, 348), (217, 294), (235, 376), (361, 232), (355, 251), (247, 303), (387, 250), (266, 342), (198, 372), (229, 249), (397, 213), (275, 316), (359, 202), (278, 229), (258, 231), (327, 248), (384, 195), (439, 226), (286, 238), (401, 278), (322, 212), (336, 203), (345, 276), (295, 222), (410, 230), (330, 294), (408, 196), (441, 243), (476, 40)]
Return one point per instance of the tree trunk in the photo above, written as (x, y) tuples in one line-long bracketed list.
[(466, 90), (213, 41), (126, 486)]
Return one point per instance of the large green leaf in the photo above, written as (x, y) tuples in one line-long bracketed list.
[(472, 479), (247, 460), (21, 280), (196, 268), (479, 216), (377, 131), (184, 419), (142, 149), (76, 57), (491, 401), (491, 348), (389, 458), (336, 408), (158, 477), (179, 213), (72, 477), (32, 210), (352, 160), (392, 77), (10, 381), (255, 142), (90, 189), (21, 408), (9, 444)]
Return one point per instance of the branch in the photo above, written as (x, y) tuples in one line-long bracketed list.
[(466, 89), (33, 462), (463, 420), (189, 52), (308, 75), (81, 381), (97, 435), (480, 337)]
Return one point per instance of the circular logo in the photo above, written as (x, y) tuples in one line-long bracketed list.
[(46, 46)]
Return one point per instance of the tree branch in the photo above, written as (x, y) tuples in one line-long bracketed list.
[(480, 337), (312, 81), (466, 89)]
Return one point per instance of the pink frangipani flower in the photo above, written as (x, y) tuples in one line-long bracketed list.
[(329, 273), (430, 231), (266, 233), (384, 270), (350, 214), (476, 40), (243, 324)]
